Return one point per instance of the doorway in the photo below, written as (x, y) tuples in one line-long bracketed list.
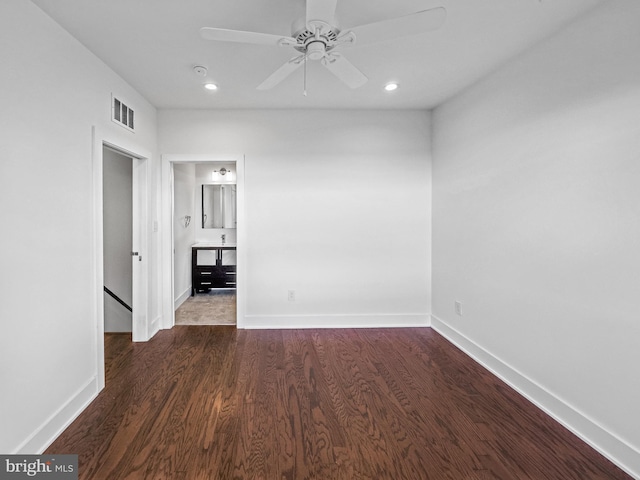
[(117, 195), (183, 177), (141, 328), (204, 213)]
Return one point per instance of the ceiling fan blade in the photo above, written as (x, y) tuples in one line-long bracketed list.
[(322, 10), (283, 72), (239, 36), (342, 68), (412, 24)]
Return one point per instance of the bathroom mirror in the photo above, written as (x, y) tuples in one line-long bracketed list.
[(219, 206)]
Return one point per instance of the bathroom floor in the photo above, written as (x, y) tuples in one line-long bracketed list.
[(217, 307)]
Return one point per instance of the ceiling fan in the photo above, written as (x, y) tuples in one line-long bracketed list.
[(317, 36)]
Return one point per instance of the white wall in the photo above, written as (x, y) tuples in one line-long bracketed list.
[(536, 221), (184, 195), (337, 209), (53, 92)]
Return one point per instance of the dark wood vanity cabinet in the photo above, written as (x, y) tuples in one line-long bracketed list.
[(205, 277)]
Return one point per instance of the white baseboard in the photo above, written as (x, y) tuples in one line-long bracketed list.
[(181, 298), (60, 420), (335, 321), (608, 444)]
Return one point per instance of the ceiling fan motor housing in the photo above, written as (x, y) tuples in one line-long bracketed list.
[(315, 38), (315, 50)]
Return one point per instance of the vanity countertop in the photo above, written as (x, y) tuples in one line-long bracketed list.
[(212, 245)]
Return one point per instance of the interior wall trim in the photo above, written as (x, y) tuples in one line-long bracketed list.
[(53, 426), (336, 321), (607, 443)]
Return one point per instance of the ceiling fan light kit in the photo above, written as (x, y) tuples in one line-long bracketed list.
[(316, 36)]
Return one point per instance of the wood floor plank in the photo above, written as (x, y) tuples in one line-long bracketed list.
[(212, 402)]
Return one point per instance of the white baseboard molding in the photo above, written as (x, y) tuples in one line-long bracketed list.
[(60, 420), (335, 321), (608, 444), (181, 299)]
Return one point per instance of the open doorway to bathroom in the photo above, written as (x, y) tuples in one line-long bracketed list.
[(204, 240)]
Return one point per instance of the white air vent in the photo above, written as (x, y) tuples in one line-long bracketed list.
[(122, 114)]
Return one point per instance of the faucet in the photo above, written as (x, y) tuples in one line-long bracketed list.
[(223, 238)]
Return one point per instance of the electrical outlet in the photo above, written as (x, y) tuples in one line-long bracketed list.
[(458, 307), (291, 295)]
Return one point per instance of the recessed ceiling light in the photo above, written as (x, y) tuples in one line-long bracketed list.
[(390, 87), (210, 86)]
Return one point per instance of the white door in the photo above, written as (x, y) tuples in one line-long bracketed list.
[(141, 330)]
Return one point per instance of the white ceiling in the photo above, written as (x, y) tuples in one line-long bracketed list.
[(154, 44)]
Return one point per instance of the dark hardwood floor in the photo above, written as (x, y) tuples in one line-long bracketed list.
[(213, 402)]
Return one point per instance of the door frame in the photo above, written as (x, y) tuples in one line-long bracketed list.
[(167, 253), (141, 327)]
